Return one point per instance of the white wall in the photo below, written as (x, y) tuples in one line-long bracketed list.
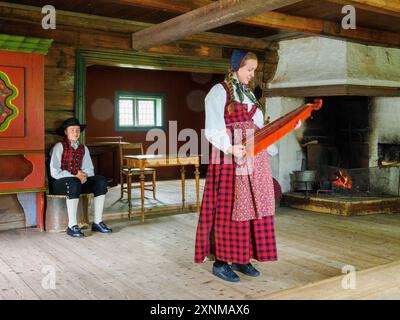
[(290, 153), (385, 128), (317, 61), (384, 123)]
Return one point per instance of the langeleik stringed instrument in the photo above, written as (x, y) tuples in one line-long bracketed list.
[(277, 129)]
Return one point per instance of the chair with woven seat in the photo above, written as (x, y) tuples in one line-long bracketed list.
[(127, 173)]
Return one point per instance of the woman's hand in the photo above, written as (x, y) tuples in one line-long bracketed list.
[(238, 150), (298, 125)]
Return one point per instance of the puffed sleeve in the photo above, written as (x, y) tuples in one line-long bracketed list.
[(55, 163), (258, 118), (215, 130)]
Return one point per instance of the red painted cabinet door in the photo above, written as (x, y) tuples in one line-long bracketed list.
[(21, 122)]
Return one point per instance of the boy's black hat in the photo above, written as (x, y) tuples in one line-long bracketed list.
[(68, 123)]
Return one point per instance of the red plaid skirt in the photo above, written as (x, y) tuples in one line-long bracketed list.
[(227, 240)]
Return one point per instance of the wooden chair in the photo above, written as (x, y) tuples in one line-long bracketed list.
[(127, 173)]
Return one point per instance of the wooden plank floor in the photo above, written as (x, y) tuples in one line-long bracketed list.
[(11, 213), (154, 260), (378, 283), (168, 199)]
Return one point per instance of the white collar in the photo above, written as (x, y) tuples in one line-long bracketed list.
[(74, 145)]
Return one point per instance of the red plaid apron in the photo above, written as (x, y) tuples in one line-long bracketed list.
[(254, 196), (217, 234)]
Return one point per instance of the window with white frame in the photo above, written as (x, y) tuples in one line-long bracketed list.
[(138, 111)]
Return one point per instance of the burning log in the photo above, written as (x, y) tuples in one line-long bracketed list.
[(342, 180)]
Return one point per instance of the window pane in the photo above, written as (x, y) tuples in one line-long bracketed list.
[(125, 113), (145, 112)]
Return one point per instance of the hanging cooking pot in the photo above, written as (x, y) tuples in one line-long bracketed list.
[(305, 175), (304, 180)]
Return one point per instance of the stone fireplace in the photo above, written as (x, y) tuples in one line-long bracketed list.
[(356, 133)]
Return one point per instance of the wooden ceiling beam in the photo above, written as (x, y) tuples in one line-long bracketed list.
[(325, 28), (380, 6), (11, 11), (208, 17), (231, 41), (164, 5), (17, 12), (388, 7), (284, 35), (304, 25)]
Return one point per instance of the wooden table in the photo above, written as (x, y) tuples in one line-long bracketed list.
[(155, 161)]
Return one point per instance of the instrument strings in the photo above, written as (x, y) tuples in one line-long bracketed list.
[(286, 118)]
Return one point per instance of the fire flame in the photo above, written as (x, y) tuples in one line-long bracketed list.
[(341, 180)]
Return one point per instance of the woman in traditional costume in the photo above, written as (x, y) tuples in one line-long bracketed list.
[(236, 221)]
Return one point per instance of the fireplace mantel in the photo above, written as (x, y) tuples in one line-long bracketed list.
[(316, 66)]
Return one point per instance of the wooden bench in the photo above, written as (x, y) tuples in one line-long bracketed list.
[(56, 215)]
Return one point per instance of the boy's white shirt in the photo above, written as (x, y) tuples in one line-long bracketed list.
[(55, 162)]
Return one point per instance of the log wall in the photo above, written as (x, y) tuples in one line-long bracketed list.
[(82, 31)]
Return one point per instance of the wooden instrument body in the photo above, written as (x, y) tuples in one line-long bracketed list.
[(279, 128)]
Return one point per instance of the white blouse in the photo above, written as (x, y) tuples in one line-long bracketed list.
[(55, 162), (215, 127)]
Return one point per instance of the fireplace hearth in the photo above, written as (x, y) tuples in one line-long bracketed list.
[(348, 192), (336, 145), (343, 205), (353, 143)]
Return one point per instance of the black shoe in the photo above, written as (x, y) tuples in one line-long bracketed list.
[(247, 269), (225, 272), (101, 227), (75, 231)]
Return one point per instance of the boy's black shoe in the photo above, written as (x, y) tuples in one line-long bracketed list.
[(75, 232), (101, 227)]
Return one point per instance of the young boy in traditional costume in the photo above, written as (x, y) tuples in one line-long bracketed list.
[(73, 174)]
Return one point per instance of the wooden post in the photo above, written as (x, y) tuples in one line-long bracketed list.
[(154, 184), (183, 186), (40, 211), (197, 175), (142, 178), (129, 189)]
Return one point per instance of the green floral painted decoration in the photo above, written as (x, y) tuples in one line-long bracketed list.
[(8, 111)]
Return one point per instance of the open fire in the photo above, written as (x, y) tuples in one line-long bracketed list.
[(342, 180)]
